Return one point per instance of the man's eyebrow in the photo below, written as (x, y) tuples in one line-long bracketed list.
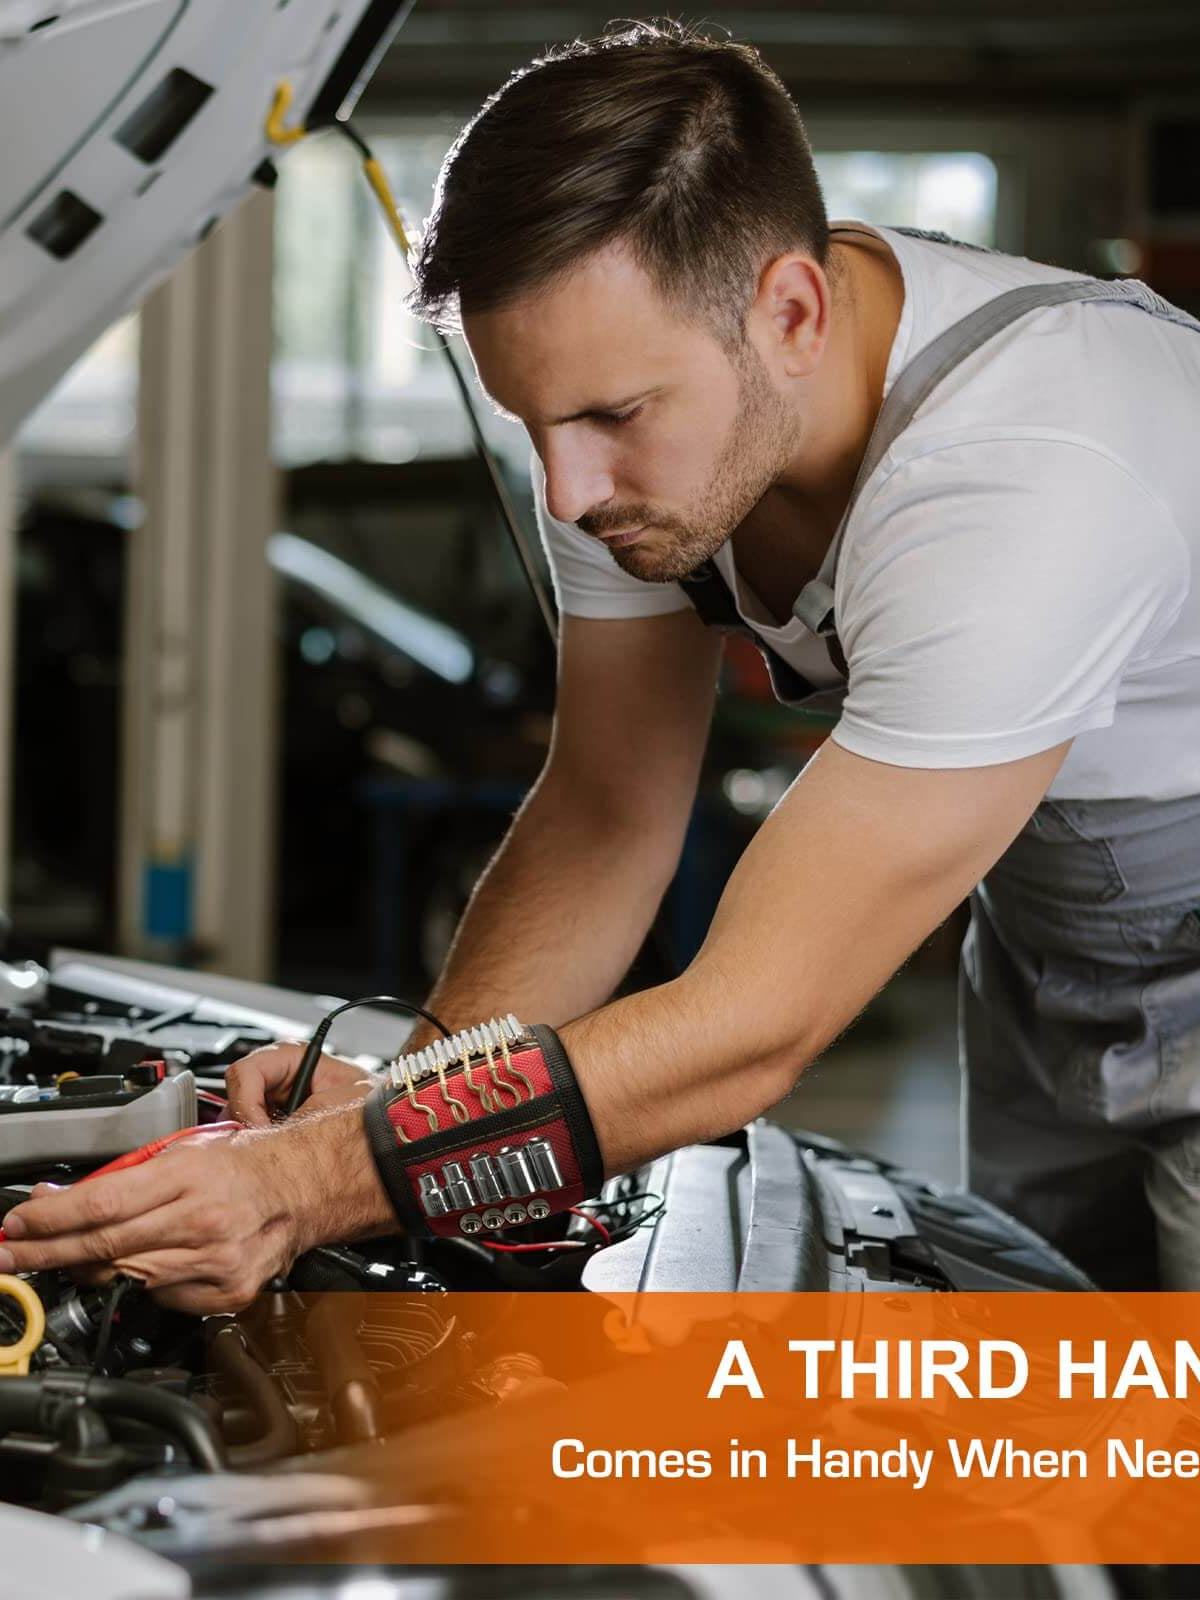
[(601, 409), (595, 410)]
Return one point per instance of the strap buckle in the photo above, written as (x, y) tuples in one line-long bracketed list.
[(814, 608)]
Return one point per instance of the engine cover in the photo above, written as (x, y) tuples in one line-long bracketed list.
[(768, 1210)]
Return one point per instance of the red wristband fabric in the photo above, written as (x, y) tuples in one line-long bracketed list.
[(484, 1132)]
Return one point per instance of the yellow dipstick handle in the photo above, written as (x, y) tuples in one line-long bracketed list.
[(14, 1358)]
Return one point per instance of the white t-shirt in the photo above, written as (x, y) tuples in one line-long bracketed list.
[(1023, 567)]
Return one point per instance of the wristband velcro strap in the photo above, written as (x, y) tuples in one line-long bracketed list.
[(482, 1132)]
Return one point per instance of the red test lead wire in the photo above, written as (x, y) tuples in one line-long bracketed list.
[(599, 1226), (519, 1249), (147, 1152)]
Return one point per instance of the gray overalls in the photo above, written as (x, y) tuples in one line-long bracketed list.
[(1079, 993)]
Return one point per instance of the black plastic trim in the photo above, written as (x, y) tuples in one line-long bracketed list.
[(390, 1161), (153, 127), (81, 1102), (349, 74), (574, 1107), (62, 226)]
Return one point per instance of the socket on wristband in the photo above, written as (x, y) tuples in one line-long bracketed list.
[(483, 1131)]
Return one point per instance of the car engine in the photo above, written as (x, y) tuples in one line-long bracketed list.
[(194, 1436)]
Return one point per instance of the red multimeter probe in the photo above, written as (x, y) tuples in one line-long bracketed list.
[(147, 1152)]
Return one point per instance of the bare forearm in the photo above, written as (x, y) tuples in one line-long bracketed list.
[(680, 1064), (556, 919), (855, 868)]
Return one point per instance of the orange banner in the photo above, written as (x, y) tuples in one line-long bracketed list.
[(785, 1428)]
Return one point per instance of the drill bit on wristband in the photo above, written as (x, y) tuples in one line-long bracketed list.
[(483, 1131)]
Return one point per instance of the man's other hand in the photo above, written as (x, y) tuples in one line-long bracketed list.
[(260, 1083), (206, 1224)]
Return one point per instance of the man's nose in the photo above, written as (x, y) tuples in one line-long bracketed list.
[(576, 483)]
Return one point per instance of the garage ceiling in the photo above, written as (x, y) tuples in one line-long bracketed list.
[(964, 50)]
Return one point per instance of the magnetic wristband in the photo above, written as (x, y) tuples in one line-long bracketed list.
[(483, 1131)]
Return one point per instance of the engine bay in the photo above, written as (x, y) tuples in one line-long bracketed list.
[(194, 1436)]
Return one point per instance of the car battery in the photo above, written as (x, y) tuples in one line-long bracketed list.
[(87, 1121)]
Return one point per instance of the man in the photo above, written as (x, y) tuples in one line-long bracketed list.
[(633, 235)]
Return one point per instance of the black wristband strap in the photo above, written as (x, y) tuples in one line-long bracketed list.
[(483, 1132)]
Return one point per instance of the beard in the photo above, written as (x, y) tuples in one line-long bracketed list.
[(761, 442)]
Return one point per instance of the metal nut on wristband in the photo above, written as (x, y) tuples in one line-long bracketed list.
[(484, 1131)]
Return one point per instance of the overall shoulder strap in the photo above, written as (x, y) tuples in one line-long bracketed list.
[(714, 604), (709, 593), (940, 356), (936, 236)]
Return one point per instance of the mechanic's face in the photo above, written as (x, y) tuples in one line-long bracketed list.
[(654, 437)]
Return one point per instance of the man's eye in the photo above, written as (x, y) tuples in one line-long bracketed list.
[(617, 418)]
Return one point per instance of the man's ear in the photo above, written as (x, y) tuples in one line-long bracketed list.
[(790, 313)]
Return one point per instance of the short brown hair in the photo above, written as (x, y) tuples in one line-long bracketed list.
[(687, 148)]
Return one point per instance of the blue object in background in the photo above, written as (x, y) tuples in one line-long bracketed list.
[(167, 900)]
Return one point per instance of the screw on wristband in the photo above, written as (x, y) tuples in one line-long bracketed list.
[(483, 1131)]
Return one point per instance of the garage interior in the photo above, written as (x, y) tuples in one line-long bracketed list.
[(273, 681)]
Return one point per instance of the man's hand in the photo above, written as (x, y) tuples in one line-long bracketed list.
[(260, 1082), (206, 1224)]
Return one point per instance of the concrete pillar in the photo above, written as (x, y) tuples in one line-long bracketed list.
[(8, 618), (200, 730)]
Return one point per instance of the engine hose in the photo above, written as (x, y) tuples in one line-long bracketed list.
[(84, 1431), (320, 1271), (37, 1404), (170, 1413), (280, 1437), (331, 1332)]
